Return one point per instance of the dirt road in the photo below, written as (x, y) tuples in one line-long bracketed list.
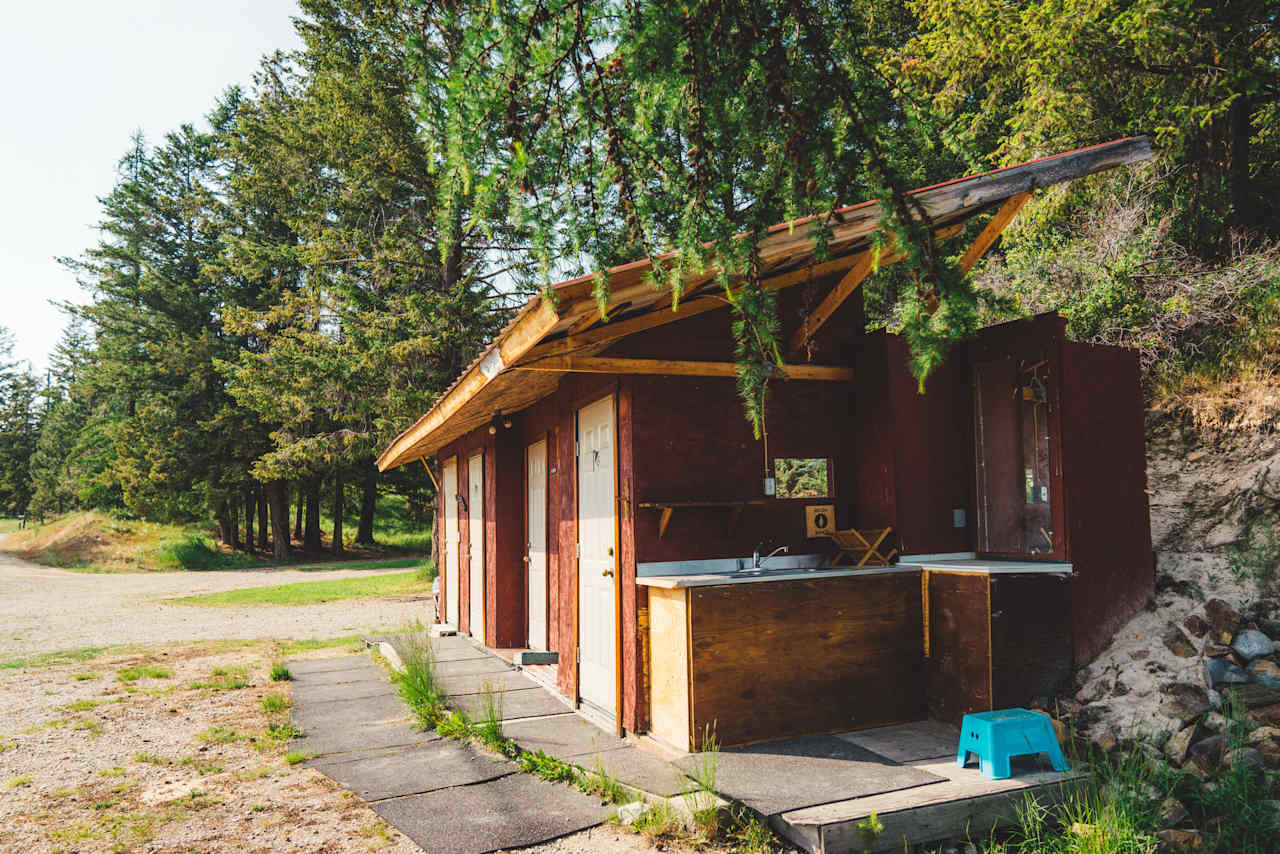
[(44, 609)]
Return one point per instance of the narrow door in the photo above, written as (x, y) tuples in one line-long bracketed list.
[(597, 604), (536, 544), (475, 516), (449, 485)]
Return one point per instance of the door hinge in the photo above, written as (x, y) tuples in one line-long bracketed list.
[(577, 655)]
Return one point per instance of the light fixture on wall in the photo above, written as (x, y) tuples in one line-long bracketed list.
[(493, 423)]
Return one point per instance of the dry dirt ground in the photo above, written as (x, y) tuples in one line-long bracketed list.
[(100, 751), (44, 609)]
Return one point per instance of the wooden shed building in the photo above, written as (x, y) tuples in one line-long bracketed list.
[(603, 499)]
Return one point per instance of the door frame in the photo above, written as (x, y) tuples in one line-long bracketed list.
[(546, 539), (612, 394), (451, 591), (471, 548)]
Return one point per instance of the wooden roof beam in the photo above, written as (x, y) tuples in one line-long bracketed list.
[(678, 368), (998, 224), (866, 264)]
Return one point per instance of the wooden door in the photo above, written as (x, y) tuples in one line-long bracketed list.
[(536, 543), (597, 598), (449, 486), (475, 518)]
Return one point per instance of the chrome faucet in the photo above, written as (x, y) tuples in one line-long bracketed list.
[(757, 560)]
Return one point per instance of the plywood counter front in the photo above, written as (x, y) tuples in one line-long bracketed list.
[(779, 659)]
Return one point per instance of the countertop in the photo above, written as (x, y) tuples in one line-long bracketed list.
[(716, 579)]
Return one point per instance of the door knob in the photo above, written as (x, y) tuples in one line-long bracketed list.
[(607, 573)]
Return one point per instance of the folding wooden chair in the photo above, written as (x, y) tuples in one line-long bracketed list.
[(861, 548)]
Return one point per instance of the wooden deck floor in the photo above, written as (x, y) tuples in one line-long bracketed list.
[(965, 805)]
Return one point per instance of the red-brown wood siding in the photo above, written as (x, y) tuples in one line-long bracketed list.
[(1104, 463), (464, 542), (932, 452), (630, 663), (505, 571)]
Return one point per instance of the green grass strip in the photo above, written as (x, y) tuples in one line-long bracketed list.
[(316, 592)]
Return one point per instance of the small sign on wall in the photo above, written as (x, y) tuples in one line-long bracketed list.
[(819, 519)]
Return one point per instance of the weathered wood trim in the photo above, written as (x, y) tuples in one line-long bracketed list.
[(672, 367)]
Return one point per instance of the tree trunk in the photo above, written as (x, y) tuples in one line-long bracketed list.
[(1240, 128), (220, 519), (278, 504), (233, 522), (368, 504), (311, 532), (338, 509), (250, 510), (264, 515), (297, 522)]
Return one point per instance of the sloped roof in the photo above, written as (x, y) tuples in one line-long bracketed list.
[(493, 383)]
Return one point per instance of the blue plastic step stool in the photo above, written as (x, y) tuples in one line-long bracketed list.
[(996, 736)]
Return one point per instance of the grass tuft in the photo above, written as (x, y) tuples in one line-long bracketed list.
[(315, 592), (218, 735), (272, 703), (417, 683), (150, 671), (280, 672)]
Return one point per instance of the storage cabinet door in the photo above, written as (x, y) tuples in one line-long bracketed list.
[(959, 663), (1030, 637)]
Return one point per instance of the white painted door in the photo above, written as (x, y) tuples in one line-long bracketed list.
[(536, 543), (449, 485), (475, 508), (597, 605)]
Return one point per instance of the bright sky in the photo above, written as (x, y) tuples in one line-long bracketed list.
[(76, 79)]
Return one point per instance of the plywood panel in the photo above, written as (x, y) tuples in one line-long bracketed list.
[(788, 658), (669, 666), (959, 667)]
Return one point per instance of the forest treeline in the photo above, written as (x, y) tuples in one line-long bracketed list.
[(282, 286)]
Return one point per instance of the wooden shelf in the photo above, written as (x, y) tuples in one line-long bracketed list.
[(669, 507)]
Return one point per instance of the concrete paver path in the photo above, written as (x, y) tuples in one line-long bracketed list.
[(44, 609)]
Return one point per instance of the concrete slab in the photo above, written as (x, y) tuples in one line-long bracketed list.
[(509, 680), (307, 692), (325, 741), (788, 775), (324, 665), (521, 703), (564, 736), (338, 714), (472, 666), (638, 769), (908, 743), (434, 765), (510, 812), (368, 673)]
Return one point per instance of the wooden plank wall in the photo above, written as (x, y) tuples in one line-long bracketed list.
[(1104, 465), (858, 640)]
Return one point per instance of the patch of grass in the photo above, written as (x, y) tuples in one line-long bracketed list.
[(203, 767), (53, 659), (418, 684), (199, 553), (391, 563), (282, 732), (80, 831), (19, 781), (489, 728), (89, 725), (547, 767), (602, 784), (272, 703), (659, 821), (293, 757), (455, 724), (84, 677), (81, 705), (148, 671), (315, 592), (150, 758), (218, 735), (280, 672), (292, 647), (114, 771), (226, 683)]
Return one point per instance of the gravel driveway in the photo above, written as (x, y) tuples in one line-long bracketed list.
[(44, 609)]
